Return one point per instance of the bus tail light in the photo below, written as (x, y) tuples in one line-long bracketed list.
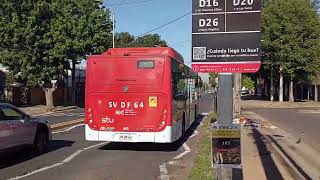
[(164, 117), (89, 119)]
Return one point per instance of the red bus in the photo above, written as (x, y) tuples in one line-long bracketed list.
[(139, 95)]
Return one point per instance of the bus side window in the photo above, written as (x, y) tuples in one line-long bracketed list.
[(178, 81)]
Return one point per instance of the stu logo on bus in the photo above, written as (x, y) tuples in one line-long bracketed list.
[(135, 105)]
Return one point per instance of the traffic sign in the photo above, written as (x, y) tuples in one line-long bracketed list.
[(226, 35)]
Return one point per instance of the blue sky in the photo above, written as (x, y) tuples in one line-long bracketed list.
[(142, 17)]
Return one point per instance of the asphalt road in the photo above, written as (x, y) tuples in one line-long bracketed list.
[(62, 116), (296, 121), (71, 157)]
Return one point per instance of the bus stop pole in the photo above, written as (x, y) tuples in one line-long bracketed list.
[(225, 99), (225, 114)]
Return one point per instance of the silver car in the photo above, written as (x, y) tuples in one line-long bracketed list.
[(19, 129)]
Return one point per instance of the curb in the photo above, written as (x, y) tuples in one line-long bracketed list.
[(66, 124), (64, 108)]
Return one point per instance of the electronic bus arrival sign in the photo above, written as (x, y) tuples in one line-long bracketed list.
[(226, 35)]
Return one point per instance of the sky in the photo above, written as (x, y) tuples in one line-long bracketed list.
[(141, 17)]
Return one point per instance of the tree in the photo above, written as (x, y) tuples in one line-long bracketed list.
[(81, 28), (181, 86), (247, 82), (212, 79), (38, 39), (291, 39), (125, 39)]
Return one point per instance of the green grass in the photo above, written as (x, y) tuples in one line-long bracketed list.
[(202, 169)]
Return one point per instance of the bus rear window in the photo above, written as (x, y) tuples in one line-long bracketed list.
[(145, 64)]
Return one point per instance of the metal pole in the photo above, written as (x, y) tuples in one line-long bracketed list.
[(113, 30), (225, 99), (225, 113)]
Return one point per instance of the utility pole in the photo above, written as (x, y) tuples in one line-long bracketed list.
[(113, 30)]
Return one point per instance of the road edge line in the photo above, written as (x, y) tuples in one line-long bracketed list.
[(66, 124)]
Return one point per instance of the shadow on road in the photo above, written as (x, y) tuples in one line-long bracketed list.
[(166, 147), (298, 168), (270, 168), (19, 155)]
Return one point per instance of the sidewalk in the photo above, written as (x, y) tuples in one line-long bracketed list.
[(41, 109), (247, 104), (269, 153)]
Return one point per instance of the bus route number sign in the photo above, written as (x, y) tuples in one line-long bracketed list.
[(226, 35)]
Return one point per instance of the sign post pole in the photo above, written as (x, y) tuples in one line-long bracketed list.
[(225, 114), (226, 39)]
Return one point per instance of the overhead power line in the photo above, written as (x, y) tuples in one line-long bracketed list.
[(164, 24), (180, 43), (120, 4), (129, 3)]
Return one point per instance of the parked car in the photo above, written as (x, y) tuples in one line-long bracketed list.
[(245, 92), (19, 129)]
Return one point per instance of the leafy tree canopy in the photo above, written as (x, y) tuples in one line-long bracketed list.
[(39, 38), (291, 37), (125, 39), (247, 82)]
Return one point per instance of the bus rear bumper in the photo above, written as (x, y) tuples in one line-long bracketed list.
[(164, 136)]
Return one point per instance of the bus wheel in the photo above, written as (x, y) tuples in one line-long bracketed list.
[(183, 125)]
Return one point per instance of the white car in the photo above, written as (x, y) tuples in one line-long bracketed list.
[(19, 129)]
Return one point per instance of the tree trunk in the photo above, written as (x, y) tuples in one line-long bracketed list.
[(316, 93), (271, 87), (301, 93), (73, 82), (256, 86), (237, 94), (308, 92), (49, 97), (281, 88), (291, 96), (263, 88)]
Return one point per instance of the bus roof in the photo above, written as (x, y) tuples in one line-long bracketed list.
[(154, 51)]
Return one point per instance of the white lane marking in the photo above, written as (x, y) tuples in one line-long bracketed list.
[(194, 134), (181, 155), (273, 127), (100, 144), (164, 172), (68, 159), (187, 150), (68, 129), (186, 147), (37, 171)]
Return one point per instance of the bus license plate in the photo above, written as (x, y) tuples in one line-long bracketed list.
[(125, 137)]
